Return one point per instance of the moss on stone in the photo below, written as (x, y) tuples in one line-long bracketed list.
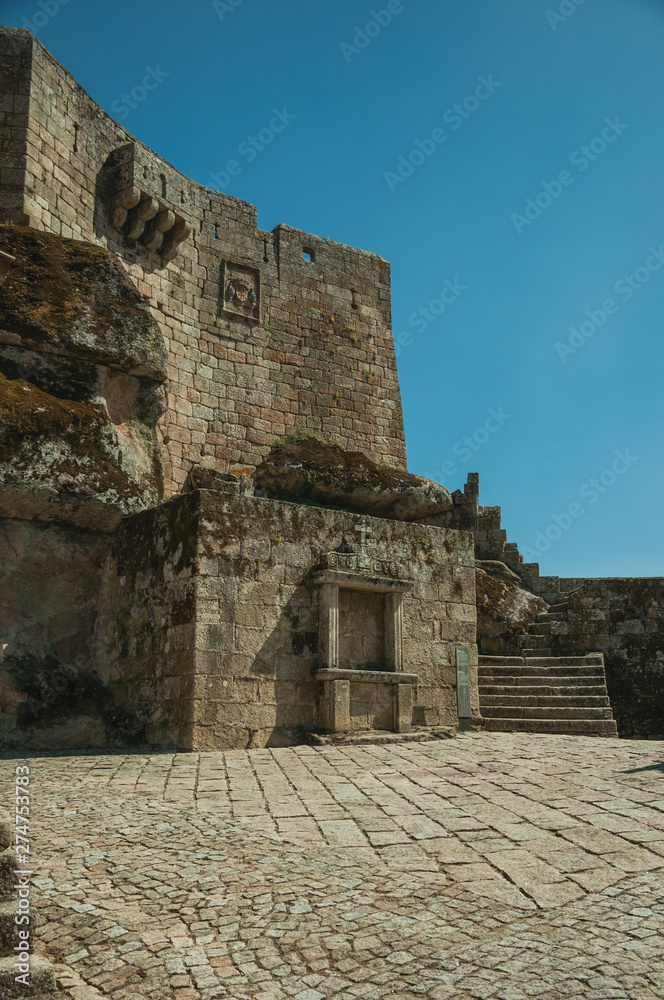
[(67, 296), (79, 434), (58, 692), (308, 471)]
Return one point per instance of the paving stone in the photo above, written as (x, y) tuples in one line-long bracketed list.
[(158, 896)]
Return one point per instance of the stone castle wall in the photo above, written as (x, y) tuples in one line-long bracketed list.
[(209, 624), (261, 342), (624, 619)]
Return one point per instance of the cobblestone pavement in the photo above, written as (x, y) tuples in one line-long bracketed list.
[(489, 865)]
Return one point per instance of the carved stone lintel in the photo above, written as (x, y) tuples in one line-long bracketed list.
[(363, 564)]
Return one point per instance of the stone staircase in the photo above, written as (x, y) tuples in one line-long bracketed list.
[(536, 692), (545, 694), (541, 637)]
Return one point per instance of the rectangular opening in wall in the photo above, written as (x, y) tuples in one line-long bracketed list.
[(361, 630), (308, 255)]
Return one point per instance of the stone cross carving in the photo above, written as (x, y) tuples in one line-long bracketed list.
[(365, 533)]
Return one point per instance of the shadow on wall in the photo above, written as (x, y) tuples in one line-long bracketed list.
[(50, 695), (48, 703)]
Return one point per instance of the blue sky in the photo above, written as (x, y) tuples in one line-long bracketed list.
[(537, 208)]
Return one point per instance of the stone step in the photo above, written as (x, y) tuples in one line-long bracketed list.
[(557, 608), (543, 690), (532, 651), (488, 659), (572, 727), (516, 685), (538, 629), (488, 701), (380, 737), (590, 659), (550, 616), (546, 669), (536, 712), (41, 982)]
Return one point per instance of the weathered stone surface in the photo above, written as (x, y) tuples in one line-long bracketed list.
[(504, 608), (225, 482), (65, 460), (545, 694), (88, 336), (310, 471), (67, 297), (491, 866), (623, 619), (41, 983), (8, 928), (50, 696), (6, 261), (324, 360), (81, 362), (8, 866), (210, 619)]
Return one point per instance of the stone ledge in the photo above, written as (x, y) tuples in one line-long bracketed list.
[(365, 676), (378, 737), (355, 581)]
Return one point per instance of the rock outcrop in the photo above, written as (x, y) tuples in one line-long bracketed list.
[(82, 362), (504, 609), (74, 299), (310, 471)]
